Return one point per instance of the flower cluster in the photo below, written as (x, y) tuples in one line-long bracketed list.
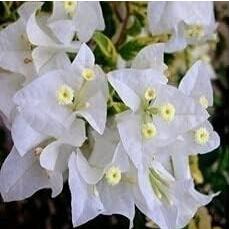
[(53, 98)]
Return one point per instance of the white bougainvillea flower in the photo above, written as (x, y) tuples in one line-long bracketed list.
[(159, 112), (107, 171), (202, 139), (197, 83), (84, 18), (27, 177), (86, 205), (152, 56), (38, 160), (15, 49), (185, 23), (26, 138), (192, 199), (158, 189), (171, 199), (50, 52), (51, 103)]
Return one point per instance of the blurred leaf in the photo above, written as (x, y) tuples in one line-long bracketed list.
[(105, 50), (130, 49), (135, 27)]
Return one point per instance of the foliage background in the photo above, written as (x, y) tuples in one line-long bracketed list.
[(124, 36)]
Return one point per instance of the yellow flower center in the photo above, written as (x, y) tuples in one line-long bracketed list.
[(194, 31), (113, 175), (201, 136), (168, 112), (203, 102), (150, 94), (149, 130), (88, 74), (70, 7), (65, 95)]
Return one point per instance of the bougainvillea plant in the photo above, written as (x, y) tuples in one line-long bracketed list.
[(101, 113)]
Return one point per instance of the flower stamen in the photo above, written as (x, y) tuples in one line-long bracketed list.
[(88, 74), (150, 94), (113, 175), (201, 136), (194, 31), (168, 112), (203, 102), (149, 130), (65, 95)]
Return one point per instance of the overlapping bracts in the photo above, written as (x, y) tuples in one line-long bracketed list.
[(56, 109)]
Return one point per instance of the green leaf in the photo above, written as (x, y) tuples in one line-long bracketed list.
[(135, 27), (105, 50), (130, 49)]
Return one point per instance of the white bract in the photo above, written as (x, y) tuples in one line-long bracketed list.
[(54, 101), (104, 177), (159, 112), (15, 48), (50, 51), (69, 17), (184, 22)]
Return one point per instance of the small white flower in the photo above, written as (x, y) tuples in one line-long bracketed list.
[(197, 83), (84, 18), (159, 112), (15, 48), (185, 22), (107, 178), (51, 103)]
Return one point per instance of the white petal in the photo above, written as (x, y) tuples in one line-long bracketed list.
[(120, 158), (9, 84), (131, 84), (177, 42), (25, 138), (26, 178), (39, 105), (194, 148), (55, 156), (85, 204), (47, 59), (96, 112), (27, 8), (197, 82), (155, 13), (38, 34), (58, 12), (163, 215), (104, 145), (188, 114), (63, 30), (189, 201), (129, 127), (84, 58), (152, 56), (181, 167), (123, 196), (15, 52), (75, 135), (87, 23), (91, 174)]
